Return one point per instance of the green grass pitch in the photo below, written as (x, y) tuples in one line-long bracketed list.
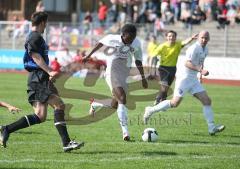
[(183, 138)]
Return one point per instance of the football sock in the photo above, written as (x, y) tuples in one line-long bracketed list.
[(162, 106), (97, 104), (60, 124), (106, 103), (23, 122), (122, 116), (208, 114)]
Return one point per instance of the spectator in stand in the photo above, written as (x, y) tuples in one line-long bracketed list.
[(231, 14), (221, 4), (78, 57), (175, 5), (164, 5), (168, 15), (40, 7), (222, 18), (123, 11), (87, 22), (55, 65), (198, 16), (237, 19), (102, 13), (186, 16), (113, 11), (159, 27), (11, 28)]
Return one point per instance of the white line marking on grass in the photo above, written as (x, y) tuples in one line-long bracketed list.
[(138, 143), (120, 159)]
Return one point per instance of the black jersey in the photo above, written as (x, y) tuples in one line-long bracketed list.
[(34, 43)]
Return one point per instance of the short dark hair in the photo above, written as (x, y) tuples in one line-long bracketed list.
[(129, 28), (171, 31), (38, 17)]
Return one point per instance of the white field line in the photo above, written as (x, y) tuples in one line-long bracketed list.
[(137, 143), (119, 159)]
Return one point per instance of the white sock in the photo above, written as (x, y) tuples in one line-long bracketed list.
[(97, 104), (162, 106), (122, 116), (208, 114)]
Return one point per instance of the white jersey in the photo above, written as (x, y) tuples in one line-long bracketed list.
[(115, 48), (119, 59), (196, 54)]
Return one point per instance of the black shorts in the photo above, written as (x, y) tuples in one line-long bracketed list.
[(39, 87), (167, 74)]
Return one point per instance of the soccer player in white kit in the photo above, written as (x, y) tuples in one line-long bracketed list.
[(188, 81), (119, 50)]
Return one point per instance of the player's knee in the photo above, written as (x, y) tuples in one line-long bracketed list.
[(60, 107), (41, 117), (122, 99), (207, 101)]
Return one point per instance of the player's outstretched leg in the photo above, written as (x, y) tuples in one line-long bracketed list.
[(4, 135), (149, 111), (23, 122)]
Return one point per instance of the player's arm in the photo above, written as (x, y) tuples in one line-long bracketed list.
[(199, 69), (10, 107), (96, 48), (141, 71), (157, 51), (41, 63), (189, 40)]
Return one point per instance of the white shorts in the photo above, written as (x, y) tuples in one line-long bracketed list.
[(117, 76), (184, 85)]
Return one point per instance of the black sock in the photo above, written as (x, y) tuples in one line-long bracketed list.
[(60, 124), (162, 96), (23, 122)]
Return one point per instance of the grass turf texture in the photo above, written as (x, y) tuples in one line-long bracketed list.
[(183, 138)]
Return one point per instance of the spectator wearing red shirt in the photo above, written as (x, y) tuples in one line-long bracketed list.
[(55, 65), (102, 13), (79, 56)]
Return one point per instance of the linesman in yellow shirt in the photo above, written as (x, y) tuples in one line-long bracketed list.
[(168, 53)]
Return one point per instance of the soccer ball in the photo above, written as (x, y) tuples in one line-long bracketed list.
[(150, 135)]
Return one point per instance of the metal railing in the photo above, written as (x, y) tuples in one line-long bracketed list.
[(67, 35)]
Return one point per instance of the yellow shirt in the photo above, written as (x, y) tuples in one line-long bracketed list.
[(169, 54), (150, 48)]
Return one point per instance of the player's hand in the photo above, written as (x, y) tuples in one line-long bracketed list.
[(195, 36), (53, 75), (85, 59), (13, 109), (204, 72), (144, 83)]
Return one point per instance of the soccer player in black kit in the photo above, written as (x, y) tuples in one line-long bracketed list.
[(41, 91)]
